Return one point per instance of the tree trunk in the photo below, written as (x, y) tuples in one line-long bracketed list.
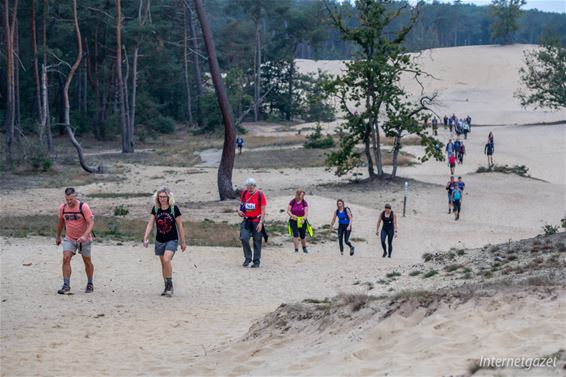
[(44, 134), (68, 81), (396, 149), (17, 102), (257, 66), (132, 117), (225, 188), (45, 95), (290, 92), (367, 150), (198, 79), (9, 115), (36, 79), (186, 66), (127, 142), (61, 104)]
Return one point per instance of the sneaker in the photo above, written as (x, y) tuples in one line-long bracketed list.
[(352, 249), (246, 263), (65, 290), (255, 265), (384, 254), (168, 290), (89, 288), (305, 250)]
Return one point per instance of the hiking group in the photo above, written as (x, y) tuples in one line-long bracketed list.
[(77, 220), (455, 151)]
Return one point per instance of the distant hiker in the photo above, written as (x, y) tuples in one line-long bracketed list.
[(452, 163), (252, 209), (345, 219), (449, 148), (77, 219), (458, 127), (445, 121), (240, 143), (469, 121), (457, 201), (167, 217), (489, 149), (450, 188), (490, 138), (451, 124), (389, 229), (466, 129), (435, 126), (457, 144), (461, 186), (298, 211), (461, 152)]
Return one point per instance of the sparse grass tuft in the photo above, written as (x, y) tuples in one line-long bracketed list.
[(429, 274), (393, 274), (414, 273)]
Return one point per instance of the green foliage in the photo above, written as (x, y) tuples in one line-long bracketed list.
[(549, 229), (372, 79), (429, 274), (520, 170), (543, 77), (316, 140), (41, 163), (163, 124), (563, 222), (121, 210), (505, 14)]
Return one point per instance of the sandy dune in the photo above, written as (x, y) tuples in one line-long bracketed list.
[(126, 328), (475, 80)]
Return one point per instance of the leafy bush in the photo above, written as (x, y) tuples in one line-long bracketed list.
[(41, 162), (316, 140), (550, 229), (163, 124), (121, 210), (520, 170)]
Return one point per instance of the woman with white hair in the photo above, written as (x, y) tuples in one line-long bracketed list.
[(167, 217)]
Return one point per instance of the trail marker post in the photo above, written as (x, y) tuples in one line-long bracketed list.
[(405, 197)]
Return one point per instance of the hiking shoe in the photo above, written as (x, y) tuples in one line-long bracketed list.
[(89, 288), (65, 290), (305, 250), (255, 265), (246, 264), (384, 254), (352, 249), (168, 290)]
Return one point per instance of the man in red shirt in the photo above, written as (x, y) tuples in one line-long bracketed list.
[(78, 220), (252, 209)]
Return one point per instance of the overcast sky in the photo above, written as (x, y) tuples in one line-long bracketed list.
[(543, 5)]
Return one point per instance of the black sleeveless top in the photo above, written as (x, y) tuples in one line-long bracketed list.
[(387, 221)]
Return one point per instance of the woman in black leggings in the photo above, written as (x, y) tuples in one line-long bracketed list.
[(389, 229), (344, 216)]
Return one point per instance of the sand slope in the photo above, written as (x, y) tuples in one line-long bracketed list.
[(475, 80)]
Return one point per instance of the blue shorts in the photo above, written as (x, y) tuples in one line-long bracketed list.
[(160, 247)]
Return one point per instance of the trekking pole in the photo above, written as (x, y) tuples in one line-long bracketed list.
[(405, 197)]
